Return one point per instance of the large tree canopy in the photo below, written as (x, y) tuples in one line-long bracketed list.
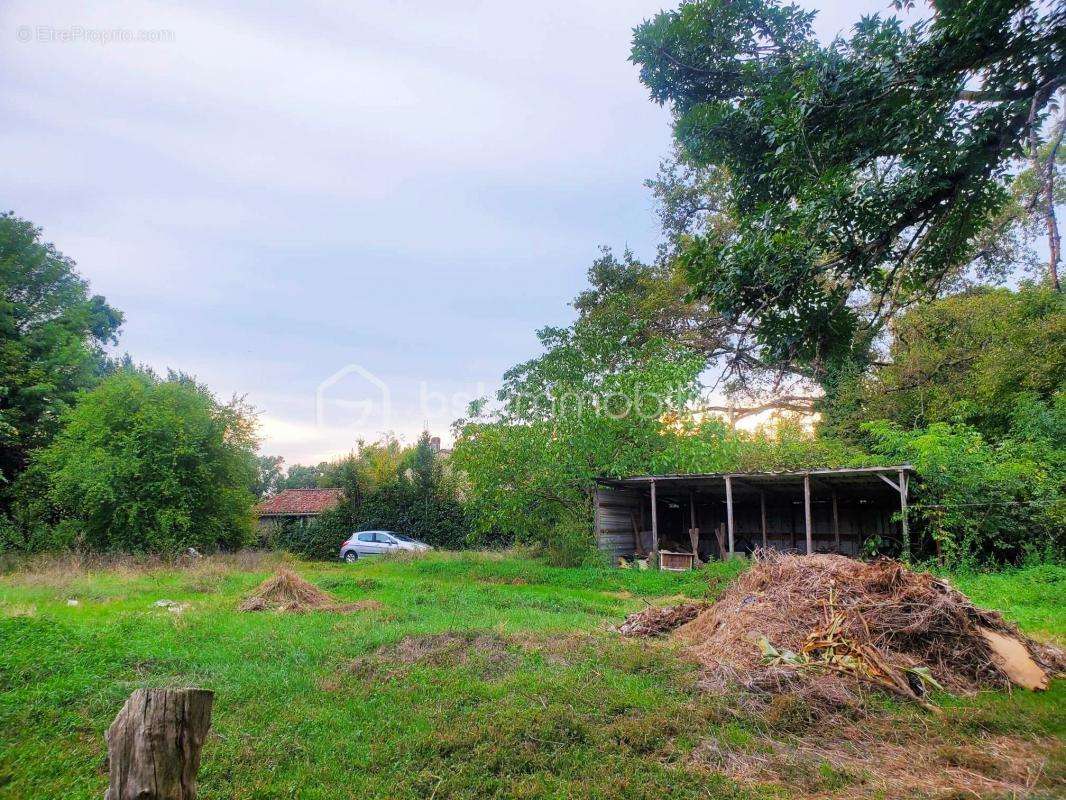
[(975, 358), (51, 338), (861, 174)]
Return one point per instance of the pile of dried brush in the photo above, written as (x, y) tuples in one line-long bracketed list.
[(655, 621), (826, 626), (287, 591)]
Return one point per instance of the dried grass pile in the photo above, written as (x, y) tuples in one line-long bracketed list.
[(655, 621), (287, 591), (825, 627)]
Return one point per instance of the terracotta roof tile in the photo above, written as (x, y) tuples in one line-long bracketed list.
[(299, 502)]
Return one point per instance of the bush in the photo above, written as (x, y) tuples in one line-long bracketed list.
[(572, 544), (149, 465), (982, 503), (319, 539), (387, 487)]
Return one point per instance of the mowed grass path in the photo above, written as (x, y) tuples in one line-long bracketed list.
[(532, 697)]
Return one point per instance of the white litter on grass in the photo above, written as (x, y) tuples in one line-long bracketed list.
[(72, 602), (173, 606)]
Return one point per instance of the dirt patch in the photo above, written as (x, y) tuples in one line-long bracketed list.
[(555, 649), (882, 758), (827, 628), (654, 621), (286, 591), (360, 605), (488, 650)]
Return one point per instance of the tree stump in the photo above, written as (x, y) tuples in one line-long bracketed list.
[(153, 746)]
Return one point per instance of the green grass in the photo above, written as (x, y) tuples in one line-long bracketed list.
[(545, 702), (1033, 597)]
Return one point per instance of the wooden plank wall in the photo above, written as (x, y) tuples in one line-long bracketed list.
[(614, 514)]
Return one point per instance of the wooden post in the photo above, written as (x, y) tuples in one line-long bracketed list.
[(153, 746), (654, 527), (729, 514), (807, 512), (836, 523), (903, 515), (792, 525), (693, 531), (762, 511)]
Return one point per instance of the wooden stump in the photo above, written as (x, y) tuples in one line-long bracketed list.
[(154, 744)]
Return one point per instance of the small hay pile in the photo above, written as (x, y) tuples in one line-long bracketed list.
[(825, 626), (287, 591), (655, 621)]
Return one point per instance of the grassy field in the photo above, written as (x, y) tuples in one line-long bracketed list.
[(477, 676)]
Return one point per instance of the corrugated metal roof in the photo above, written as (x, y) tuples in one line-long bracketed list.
[(857, 481), (841, 471)]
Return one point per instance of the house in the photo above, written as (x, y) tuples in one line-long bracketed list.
[(717, 515), (296, 505)]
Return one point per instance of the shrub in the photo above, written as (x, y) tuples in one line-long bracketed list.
[(572, 544), (149, 465), (980, 502), (387, 487)]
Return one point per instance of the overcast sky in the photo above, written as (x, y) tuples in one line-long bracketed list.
[(307, 205)]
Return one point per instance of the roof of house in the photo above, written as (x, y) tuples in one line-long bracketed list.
[(299, 502)]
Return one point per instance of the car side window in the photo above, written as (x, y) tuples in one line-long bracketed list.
[(384, 538), (366, 537)]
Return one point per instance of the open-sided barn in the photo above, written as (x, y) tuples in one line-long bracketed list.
[(717, 515)]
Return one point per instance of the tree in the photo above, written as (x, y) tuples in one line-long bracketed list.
[(861, 174), (391, 487), (967, 359), (52, 335), (302, 476), (616, 393), (268, 475), (985, 503), (149, 465)]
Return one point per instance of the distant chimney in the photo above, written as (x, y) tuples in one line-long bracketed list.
[(434, 444)]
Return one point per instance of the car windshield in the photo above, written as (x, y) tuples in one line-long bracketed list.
[(401, 537)]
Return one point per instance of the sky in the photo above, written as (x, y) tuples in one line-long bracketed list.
[(354, 214)]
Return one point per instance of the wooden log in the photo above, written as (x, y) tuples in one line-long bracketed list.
[(719, 534), (154, 744)]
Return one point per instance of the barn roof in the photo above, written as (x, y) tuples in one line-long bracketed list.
[(299, 502), (854, 481)]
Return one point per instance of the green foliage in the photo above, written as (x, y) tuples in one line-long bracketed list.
[(966, 358), (268, 475), (387, 487), (572, 544), (610, 396), (987, 503), (302, 476), (51, 338), (144, 464), (862, 176)]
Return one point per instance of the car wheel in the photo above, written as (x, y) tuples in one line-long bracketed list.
[(351, 556)]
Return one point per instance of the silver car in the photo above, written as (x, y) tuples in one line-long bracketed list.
[(377, 543)]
